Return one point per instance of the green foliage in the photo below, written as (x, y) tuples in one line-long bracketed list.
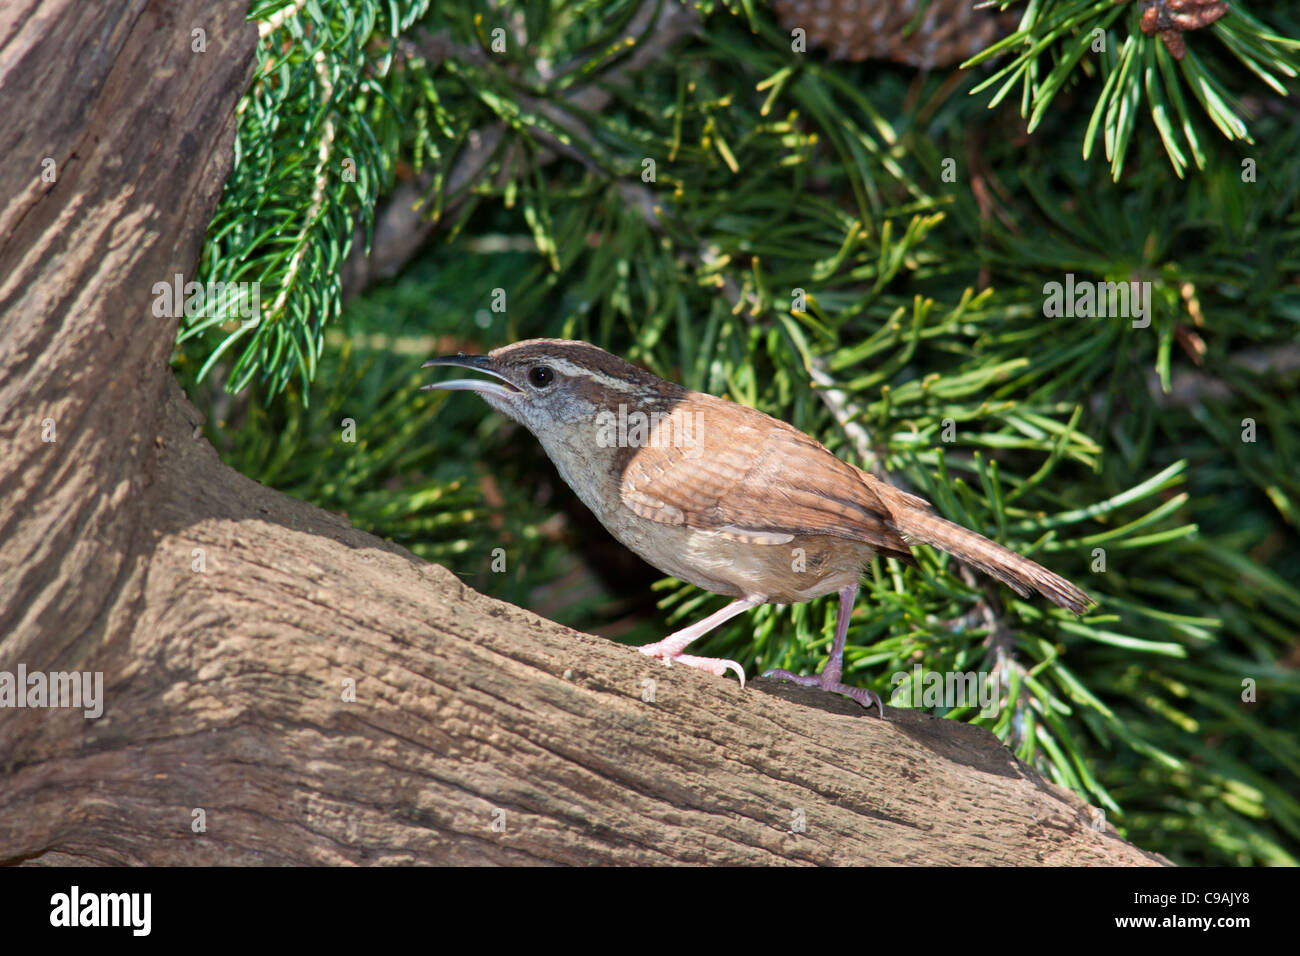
[(922, 311), (1057, 41), (317, 135)]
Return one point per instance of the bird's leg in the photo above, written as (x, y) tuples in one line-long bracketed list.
[(669, 650), (829, 679)]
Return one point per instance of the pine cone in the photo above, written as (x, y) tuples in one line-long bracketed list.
[(950, 30)]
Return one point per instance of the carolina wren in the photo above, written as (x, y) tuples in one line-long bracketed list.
[(723, 496)]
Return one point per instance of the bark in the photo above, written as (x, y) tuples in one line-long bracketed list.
[(228, 619)]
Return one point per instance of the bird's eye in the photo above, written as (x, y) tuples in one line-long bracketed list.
[(541, 375)]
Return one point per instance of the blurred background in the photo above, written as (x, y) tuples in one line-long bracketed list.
[(816, 210)]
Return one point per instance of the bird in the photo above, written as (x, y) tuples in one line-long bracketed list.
[(724, 496)]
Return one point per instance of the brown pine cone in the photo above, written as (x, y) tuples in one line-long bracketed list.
[(950, 30), (953, 30)]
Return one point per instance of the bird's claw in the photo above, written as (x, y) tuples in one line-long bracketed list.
[(716, 666), (861, 695)]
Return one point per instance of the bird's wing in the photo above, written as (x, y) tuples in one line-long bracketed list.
[(756, 480)]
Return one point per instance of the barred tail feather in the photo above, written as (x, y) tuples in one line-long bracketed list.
[(1016, 572)]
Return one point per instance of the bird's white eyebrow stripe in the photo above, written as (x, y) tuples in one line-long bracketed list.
[(572, 369)]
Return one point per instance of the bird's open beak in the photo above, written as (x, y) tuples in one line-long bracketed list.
[(481, 363)]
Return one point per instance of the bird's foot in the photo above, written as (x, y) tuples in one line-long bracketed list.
[(714, 665), (826, 682)]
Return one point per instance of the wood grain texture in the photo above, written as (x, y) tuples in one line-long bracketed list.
[(224, 686)]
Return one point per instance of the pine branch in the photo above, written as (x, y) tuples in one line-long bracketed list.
[(1139, 52), (309, 164)]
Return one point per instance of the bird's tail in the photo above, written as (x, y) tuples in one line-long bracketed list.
[(1016, 572)]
